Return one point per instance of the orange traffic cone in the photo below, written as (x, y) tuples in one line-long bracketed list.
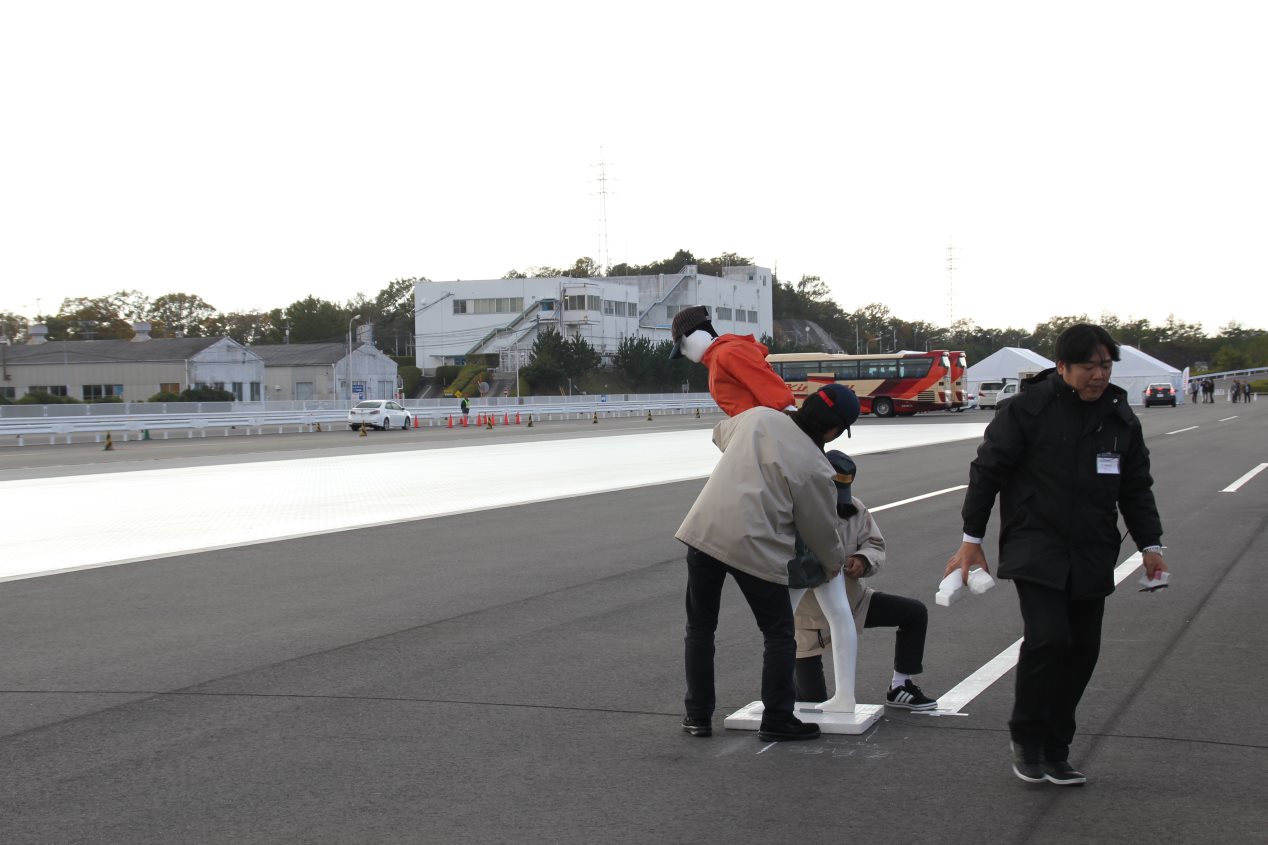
[(480, 418), (506, 418), (451, 420), (517, 417), (415, 422)]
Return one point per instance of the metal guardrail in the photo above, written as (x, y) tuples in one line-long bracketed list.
[(17, 431)]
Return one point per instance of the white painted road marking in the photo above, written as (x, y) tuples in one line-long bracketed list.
[(918, 498), (953, 700), (1182, 430), (1237, 485)]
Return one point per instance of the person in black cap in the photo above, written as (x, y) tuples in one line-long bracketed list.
[(771, 484), (739, 376), (865, 546)]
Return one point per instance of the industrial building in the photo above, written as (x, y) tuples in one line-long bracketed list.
[(453, 320)]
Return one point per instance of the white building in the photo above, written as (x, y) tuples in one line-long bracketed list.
[(327, 371), (504, 316), (130, 370)]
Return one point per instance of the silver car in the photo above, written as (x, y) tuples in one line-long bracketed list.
[(379, 413)]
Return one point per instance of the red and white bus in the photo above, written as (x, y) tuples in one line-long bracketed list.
[(900, 383), (959, 364)]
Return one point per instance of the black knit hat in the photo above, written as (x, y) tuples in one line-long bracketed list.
[(831, 406), (686, 321)]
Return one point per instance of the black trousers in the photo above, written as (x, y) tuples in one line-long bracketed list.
[(772, 609), (1062, 642), (884, 611)]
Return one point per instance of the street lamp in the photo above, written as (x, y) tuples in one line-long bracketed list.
[(348, 368)]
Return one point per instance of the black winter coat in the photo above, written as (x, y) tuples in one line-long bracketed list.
[(1058, 509)]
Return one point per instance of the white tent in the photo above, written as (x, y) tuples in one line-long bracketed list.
[(1004, 363), (1135, 371)]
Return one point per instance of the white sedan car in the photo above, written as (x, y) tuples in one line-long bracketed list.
[(379, 413)]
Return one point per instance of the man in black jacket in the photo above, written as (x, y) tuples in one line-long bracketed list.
[(1065, 456)]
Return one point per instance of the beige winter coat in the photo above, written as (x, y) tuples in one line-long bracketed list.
[(861, 536), (771, 482)]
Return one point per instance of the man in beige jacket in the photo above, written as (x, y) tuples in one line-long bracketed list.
[(771, 483)]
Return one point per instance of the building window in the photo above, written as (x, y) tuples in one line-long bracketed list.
[(460, 306), (631, 309), (8, 392), (255, 391), (170, 387), (594, 303), (50, 389), (609, 308), (102, 391), (752, 316), (724, 313)]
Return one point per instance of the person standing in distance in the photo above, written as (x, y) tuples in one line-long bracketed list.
[(772, 483), (1065, 456)]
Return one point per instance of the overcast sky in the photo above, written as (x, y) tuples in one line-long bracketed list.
[(1078, 156)]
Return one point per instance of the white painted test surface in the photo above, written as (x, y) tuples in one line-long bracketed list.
[(82, 521)]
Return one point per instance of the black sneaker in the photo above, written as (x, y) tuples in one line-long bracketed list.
[(788, 728), (1028, 763), (1062, 773), (697, 727), (910, 697)]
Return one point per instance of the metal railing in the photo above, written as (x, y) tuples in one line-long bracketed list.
[(142, 420)]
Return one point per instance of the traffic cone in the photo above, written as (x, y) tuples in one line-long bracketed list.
[(506, 418), (649, 414), (415, 422), (517, 417), (596, 418), (319, 426), (480, 418), (464, 420), (530, 420), (488, 421), (363, 434), (697, 413), (109, 444), (451, 420)]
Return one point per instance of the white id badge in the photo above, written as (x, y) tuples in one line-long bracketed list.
[(1107, 464)]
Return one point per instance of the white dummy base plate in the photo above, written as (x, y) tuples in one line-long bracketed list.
[(749, 718)]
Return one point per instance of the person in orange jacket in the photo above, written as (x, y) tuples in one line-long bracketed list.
[(739, 376)]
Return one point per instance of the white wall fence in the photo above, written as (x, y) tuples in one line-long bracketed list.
[(23, 424)]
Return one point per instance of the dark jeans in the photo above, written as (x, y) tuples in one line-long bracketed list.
[(773, 611), (883, 611), (1059, 652)]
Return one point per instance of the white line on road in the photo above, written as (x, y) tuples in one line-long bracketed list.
[(1226, 419), (1179, 430), (1236, 485), (953, 700), (917, 498)]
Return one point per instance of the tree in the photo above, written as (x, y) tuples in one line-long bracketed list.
[(180, 315), (546, 370), (92, 318), (584, 268), (246, 327), (13, 327), (313, 320), (634, 362)]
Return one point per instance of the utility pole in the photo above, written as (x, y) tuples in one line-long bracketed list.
[(950, 285)]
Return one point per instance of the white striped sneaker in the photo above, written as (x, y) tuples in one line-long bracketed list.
[(909, 697)]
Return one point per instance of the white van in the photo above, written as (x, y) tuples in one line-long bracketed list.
[(988, 393)]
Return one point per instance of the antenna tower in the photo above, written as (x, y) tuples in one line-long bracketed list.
[(603, 213), (950, 285)]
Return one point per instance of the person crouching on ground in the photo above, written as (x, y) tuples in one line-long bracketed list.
[(865, 546)]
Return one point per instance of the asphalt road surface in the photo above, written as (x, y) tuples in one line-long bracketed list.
[(515, 674)]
